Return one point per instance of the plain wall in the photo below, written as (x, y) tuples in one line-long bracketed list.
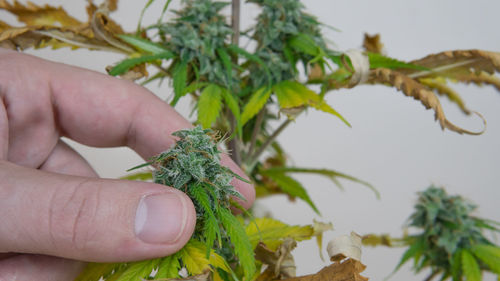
[(394, 143)]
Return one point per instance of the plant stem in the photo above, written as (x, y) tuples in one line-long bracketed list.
[(256, 131), (255, 157), (235, 21), (235, 24)]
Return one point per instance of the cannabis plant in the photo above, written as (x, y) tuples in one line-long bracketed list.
[(286, 69), (452, 242)]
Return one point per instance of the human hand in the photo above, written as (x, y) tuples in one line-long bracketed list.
[(54, 210)]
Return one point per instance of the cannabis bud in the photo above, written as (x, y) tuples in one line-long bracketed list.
[(193, 166)]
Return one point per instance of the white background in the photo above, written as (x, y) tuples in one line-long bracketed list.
[(394, 143)]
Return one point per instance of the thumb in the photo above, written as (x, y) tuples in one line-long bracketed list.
[(90, 219)]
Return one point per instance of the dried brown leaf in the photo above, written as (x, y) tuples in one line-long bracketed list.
[(34, 15), (412, 88), (478, 78), (347, 270), (106, 29), (451, 63), (136, 72), (373, 44), (280, 263), (442, 89)]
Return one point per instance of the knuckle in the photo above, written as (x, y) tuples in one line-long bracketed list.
[(73, 214)]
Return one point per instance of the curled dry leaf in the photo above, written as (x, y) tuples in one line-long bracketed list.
[(347, 270), (373, 44), (345, 246), (52, 26), (280, 263), (451, 62), (412, 88)]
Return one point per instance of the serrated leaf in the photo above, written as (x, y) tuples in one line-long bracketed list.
[(456, 266), (412, 252), (305, 44), (255, 104), (440, 87), (290, 186), (194, 87), (378, 60), (94, 271), (331, 174), (209, 105), (33, 15), (194, 258), (232, 104), (488, 254), (127, 64), (168, 267), (144, 45), (272, 232), (138, 270), (470, 267), (226, 61), (179, 77), (242, 246)]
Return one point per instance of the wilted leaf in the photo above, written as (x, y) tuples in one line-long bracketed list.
[(419, 92), (279, 262), (34, 15), (441, 88), (348, 270), (373, 44), (319, 228)]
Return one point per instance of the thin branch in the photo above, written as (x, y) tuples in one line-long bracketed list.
[(256, 131), (255, 157), (234, 145)]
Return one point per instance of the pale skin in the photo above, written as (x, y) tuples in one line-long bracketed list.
[(56, 213)]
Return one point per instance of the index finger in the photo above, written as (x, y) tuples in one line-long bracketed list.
[(103, 111)]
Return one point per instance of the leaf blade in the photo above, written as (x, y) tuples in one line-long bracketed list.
[(209, 105)]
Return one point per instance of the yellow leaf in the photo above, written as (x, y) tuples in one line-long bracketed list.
[(194, 257), (272, 232)]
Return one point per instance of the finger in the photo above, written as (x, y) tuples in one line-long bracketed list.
[(40, 268), (65, 160), (99, 110), (4, 130), (90, 219)]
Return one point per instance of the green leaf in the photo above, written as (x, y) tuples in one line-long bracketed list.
[(470, 267), (488, 254), (272, 232), (142, 15), (211, 227), (305, 44), (226, 61), (290, 186), (127, 64), (456, 266), (378, 60), (138, 270), (413, 251), (232, 104), (209, 105), (239, 239), (179, 77), (94, 271), (194, 87), (331, 174), (144, 45), (168, 267), (142, 176), (256, 102)]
